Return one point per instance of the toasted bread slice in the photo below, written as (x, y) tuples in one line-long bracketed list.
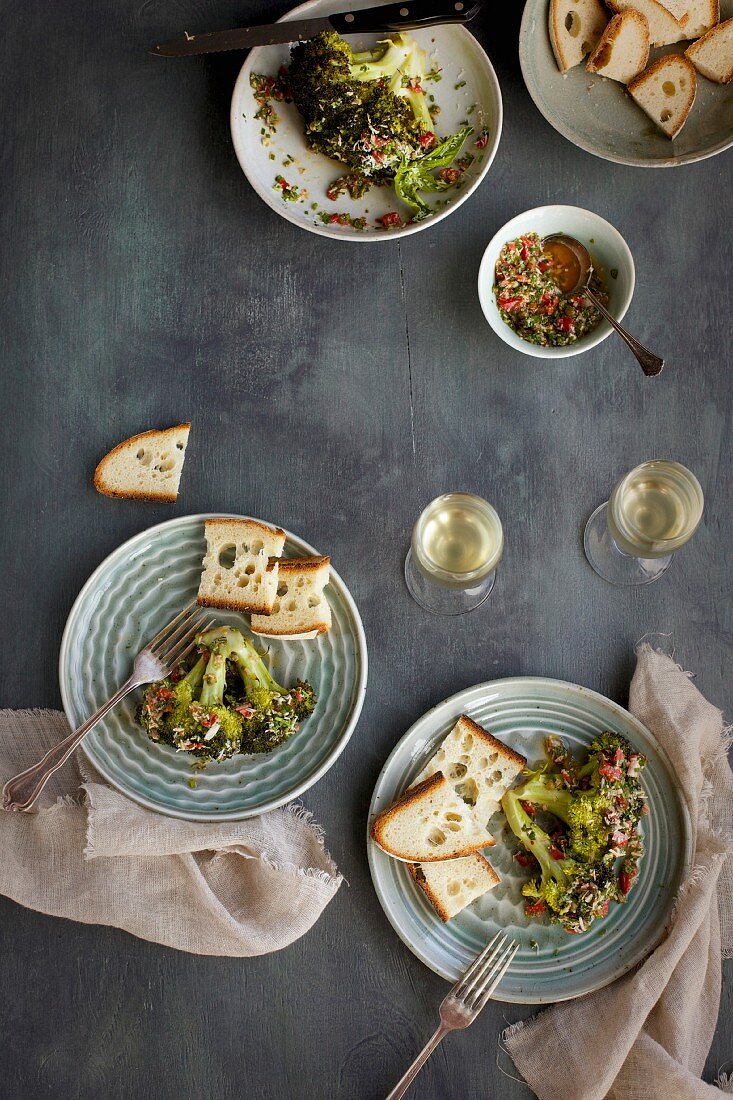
[(712, 55), (575, 27), (702, 15), (240, 568), (453, 884), (666, 92), (146, 467), (300, 610), (623, 48), (480, 767), (663, 27), (430, 822), (678, 8)]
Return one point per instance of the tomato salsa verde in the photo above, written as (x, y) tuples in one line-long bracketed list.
[(531, 288)]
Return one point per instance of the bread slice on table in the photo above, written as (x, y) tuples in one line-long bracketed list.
[(666, 92), (480, 768), (663, 27), (430, 822), (712, 55), (702, 15), (145, 467), (301, 609), (240, 567), (623, 48), (452, 884), (575, 27)]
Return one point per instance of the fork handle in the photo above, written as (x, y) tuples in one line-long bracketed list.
[(22, 791), (404, 1083)]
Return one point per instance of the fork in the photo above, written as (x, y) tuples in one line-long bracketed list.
[(157, 660), (465, 1000)]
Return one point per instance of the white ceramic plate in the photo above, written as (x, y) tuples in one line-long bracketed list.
[(461, 59), (125, 602), (608, 250), (550, 964), (599, 116)]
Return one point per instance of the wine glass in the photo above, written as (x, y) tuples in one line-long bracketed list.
[(653, 511), (456, 545)]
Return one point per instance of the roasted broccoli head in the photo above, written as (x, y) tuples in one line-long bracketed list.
[(370, 111), (592, 855), (228, 702)]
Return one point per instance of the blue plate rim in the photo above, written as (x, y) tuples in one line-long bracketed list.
[(299, 788)]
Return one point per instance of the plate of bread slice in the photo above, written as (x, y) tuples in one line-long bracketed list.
[(640, 82), (274, 588), (446, 865)]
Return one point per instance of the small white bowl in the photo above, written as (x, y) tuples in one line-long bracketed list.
[(607, 247)]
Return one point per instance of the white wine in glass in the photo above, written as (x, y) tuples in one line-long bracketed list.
[(456, 546), (653, 511)]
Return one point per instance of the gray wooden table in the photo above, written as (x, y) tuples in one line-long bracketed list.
[(335, 389)]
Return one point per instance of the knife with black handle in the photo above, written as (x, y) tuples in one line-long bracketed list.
[(409, 16)]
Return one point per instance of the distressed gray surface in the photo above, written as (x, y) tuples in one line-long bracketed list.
[(334, 390)]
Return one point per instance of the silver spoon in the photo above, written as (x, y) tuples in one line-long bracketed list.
[(650, 363)]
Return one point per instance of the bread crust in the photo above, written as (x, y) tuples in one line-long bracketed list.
[(669, 60), (432, 897), (134, 494), (496, 746), (303, 565), (315, 629), (416, 794), (229, 605), (237, 522)]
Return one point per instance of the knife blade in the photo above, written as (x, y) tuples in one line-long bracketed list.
[(410, 15)]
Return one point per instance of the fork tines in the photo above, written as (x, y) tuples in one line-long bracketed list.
[(175, 641), (485, 972)]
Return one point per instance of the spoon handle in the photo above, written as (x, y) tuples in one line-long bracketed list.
[(650, 363)]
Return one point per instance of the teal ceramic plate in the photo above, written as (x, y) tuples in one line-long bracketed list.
[(123, 604), (550, 964), (599, 116)]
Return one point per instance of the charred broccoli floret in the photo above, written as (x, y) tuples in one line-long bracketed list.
[(227, 702), (600, 803), (370, 111)]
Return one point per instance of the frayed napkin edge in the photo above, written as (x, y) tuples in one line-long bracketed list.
[(330, 877)]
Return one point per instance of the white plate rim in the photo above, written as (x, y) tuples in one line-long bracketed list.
[(311, 779), (450, 703), (634, 162), (311, 7)]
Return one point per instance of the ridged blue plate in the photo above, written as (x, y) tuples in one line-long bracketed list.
[(550, 964), (132, 594)]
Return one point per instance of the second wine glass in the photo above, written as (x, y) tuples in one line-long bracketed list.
[(456, 546), (652, 512)]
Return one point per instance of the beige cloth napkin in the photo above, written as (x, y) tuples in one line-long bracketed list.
[(90, 854), (646, 1037)]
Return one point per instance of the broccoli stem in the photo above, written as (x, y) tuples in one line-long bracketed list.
[(215, 678), (195, 676), (254, 671), (228, 642), (553, 799), (532, 837)]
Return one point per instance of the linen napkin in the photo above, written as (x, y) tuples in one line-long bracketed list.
[(235, 888), (646, 1037)]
